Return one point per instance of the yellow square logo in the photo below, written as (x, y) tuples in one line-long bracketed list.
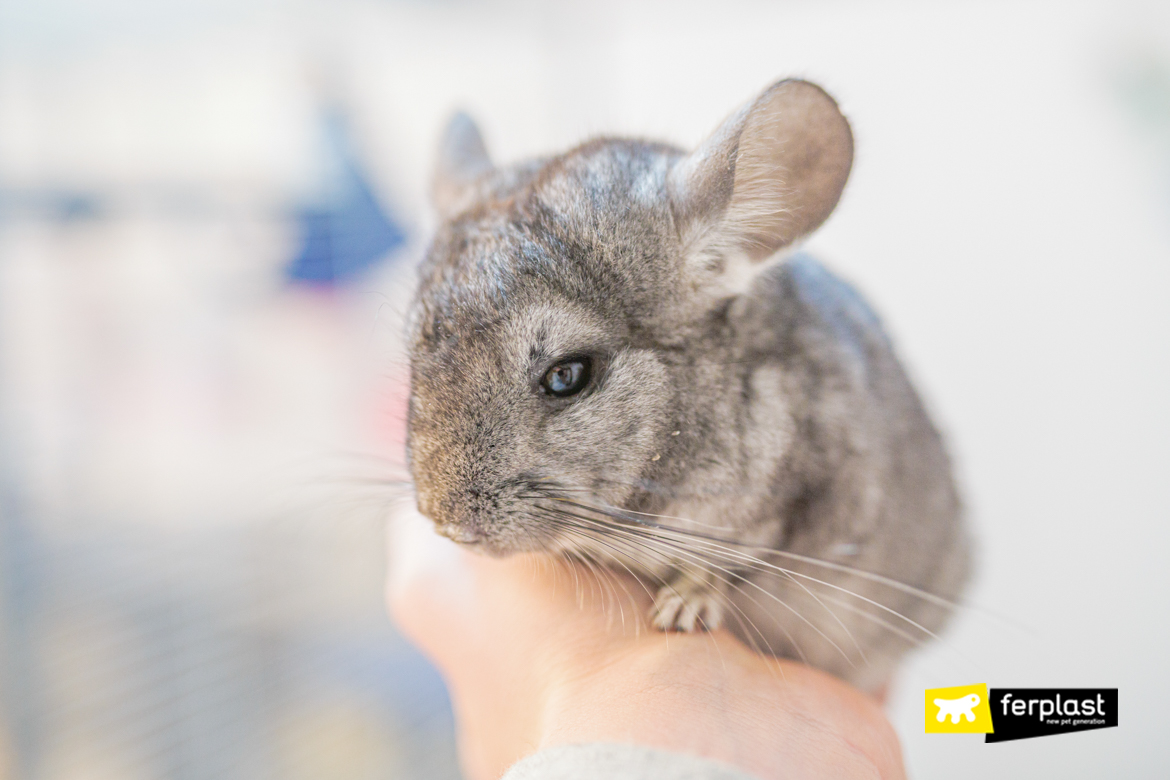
[(959, 710)]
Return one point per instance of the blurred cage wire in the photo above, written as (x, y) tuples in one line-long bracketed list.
[(170, 605), (217, 654)]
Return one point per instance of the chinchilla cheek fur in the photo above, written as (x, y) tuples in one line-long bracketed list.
[(617, 355)]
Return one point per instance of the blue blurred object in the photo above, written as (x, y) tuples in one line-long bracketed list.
[(347, 231)]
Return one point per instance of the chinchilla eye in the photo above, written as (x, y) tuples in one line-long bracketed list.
[(567, 378)]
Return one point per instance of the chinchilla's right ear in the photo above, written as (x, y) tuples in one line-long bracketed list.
[(463, 159), (769, 176)]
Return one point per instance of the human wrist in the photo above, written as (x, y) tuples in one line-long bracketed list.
[(708, 696), (647, 693)]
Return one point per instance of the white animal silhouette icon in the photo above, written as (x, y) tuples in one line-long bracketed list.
[(963, 706)]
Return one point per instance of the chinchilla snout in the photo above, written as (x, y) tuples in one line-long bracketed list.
[(450, 517), (460, 484), (466, 513)]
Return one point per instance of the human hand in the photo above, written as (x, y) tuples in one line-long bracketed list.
[(538, 652)]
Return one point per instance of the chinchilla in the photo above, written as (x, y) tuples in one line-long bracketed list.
[(617, 356)]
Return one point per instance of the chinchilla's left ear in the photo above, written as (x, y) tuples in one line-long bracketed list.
[(463, 159), (770, 175)]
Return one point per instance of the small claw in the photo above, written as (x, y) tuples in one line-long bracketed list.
[(667, 608), (688, 606)]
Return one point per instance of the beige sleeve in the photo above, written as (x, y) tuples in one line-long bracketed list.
[(613, 761)]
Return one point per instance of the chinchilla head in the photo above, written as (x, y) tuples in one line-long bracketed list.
[(566, 307)]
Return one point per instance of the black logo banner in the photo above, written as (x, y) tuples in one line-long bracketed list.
[(1021, 713)]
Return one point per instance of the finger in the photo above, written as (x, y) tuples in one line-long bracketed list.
[(430, 589)]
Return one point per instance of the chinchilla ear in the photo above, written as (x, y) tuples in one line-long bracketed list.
[(769, 176), (463, 159)]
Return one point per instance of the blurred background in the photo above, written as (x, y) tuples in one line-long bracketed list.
[(209, 217)]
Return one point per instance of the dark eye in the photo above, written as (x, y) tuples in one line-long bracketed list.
[(568, 378)]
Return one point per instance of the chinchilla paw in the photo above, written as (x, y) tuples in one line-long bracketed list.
[(685, 604)]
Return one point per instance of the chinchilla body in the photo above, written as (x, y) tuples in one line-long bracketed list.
[(617, 356)]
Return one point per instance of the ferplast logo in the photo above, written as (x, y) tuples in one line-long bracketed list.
[(959, 710), (1004, 714), (1022, 713)]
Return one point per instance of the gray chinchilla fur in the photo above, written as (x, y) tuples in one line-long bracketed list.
[(616, 356)]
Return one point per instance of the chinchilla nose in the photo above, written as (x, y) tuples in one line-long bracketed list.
[(462, 534), (458, 516)]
